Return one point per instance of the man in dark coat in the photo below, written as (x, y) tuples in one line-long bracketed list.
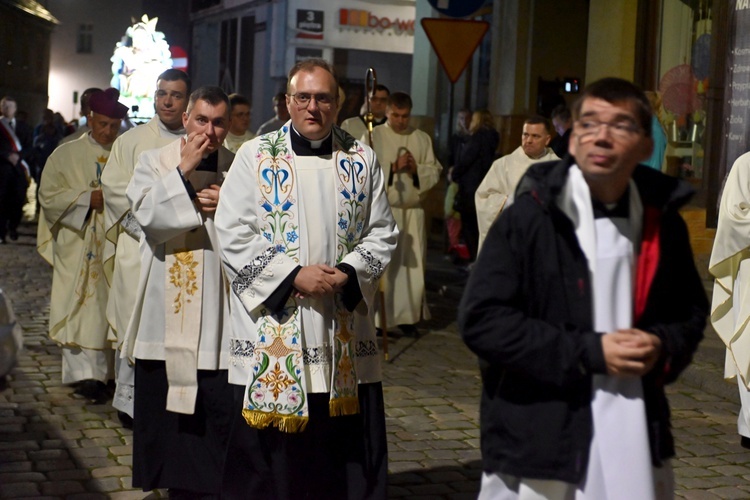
[(15, 157), (585, 301)]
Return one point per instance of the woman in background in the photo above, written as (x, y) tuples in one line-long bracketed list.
[(475, 159)]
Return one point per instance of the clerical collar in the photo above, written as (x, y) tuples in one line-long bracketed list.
[(305, 147), (621, 208)]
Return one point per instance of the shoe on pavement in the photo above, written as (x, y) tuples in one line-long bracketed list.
[(125, 419), (93, 390), (409, 330)]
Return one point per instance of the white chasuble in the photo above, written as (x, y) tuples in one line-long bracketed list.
[(279, 211), (405, 298), (498, 187), (70, 236)]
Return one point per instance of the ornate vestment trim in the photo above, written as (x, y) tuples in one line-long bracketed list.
[(275, 394), (374, 266), (252, 274), (130, 225)]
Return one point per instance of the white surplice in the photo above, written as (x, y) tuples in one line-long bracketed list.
[(163, 208), (233, 142), (249, 251), (70, 236), (122, 258), (498, 187), (405, 298)]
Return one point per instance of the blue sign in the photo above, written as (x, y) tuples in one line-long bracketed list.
[(457, 8)]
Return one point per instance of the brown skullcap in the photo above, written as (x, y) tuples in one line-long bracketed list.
[(105, 103)]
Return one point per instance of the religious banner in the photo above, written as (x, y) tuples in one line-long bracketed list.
[(139, 58)]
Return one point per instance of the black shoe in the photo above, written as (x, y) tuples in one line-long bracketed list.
[(745, 442), (13, 235), (125, 419), (93, 390), (409, 330)]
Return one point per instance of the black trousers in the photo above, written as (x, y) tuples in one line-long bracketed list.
[(172, 450), (333, 458), (12, 197)]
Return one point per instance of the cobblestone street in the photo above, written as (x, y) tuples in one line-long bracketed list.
[(55, 445)]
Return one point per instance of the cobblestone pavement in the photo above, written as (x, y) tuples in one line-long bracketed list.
[(54, 445)]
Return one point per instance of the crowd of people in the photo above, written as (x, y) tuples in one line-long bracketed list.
[(221, 286)]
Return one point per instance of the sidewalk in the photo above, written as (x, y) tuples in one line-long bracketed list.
[(54, 445)]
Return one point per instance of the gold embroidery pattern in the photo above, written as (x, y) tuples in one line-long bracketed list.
[(182, 276), (277, 381)]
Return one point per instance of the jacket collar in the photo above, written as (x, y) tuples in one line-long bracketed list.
[(545, 180)]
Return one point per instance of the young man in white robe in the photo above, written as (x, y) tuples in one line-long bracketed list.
[(731, 292), (306, 232), (122, 258), (239, 123), (583, 304), (357, 125), (70, 236), (410, 170), (495, 193), (179, 332)]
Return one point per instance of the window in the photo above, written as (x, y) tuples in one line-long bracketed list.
[(84, 40)]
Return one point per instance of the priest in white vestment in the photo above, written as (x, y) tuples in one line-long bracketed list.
[(731, 293), (179, 331), (410, 170), (583, 305), (496, 191), (122, 258), (70, 236), (356, 126), (239, 123), (306, 232)]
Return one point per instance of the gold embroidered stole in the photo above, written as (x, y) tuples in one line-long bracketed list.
[(275, 393), (183, 258)]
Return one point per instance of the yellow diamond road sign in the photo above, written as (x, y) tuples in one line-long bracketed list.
[(454, 41)]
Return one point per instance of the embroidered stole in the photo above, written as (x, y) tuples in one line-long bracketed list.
[(275, 392), (183, 293), (183, 257)]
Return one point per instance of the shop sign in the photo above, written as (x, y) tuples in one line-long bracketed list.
[(310, 24), (365, 20)]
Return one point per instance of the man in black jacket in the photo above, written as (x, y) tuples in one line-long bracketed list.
[(586, 301)]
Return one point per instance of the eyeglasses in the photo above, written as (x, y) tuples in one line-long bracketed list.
[(303, 99), (588, 128)]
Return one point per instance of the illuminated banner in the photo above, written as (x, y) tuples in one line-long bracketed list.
[(139, 58)]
